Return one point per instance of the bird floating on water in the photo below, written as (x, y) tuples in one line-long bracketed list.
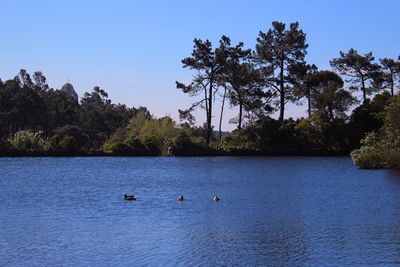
[(180, 198), (216, 198), (129, 197)]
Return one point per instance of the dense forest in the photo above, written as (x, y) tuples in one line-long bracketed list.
[(352, 104)]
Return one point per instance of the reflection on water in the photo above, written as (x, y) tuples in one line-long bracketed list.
[(273, 211), (394, 176)]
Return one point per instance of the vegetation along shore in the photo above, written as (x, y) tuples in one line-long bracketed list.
[(352, 107)]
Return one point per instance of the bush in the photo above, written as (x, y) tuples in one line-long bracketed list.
[(136, 146), (392, 159), (118, 148), (371, 159), (152, 146), (62, 144), (5, 147), (27, 140), (69, 144), (53, 143), (184, 145), (118, 136), (382, 151), (80, 139)]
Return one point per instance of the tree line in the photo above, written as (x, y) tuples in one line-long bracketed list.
[(28, 104), (263, 80), (381, 149), (36, 119)]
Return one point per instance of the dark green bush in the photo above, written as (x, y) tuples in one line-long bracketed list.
[(118, 148), (392, 159), (69, 144), (371, 159)]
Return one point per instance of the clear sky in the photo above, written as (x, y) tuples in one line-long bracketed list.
[(133, 49)]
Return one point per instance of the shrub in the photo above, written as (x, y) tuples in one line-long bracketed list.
[(53, 143), (184, 145), (136, 146), (369, 159), (69, 144), (62, 144), (5, 147), (118, 148), (81, 140), (392, 159), (152, 146), (27, 140)]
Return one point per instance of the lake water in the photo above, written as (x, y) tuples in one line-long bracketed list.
[(274, 211)]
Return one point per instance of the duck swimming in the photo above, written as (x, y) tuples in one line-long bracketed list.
[(180, 198), (216, 198), (129, 197)]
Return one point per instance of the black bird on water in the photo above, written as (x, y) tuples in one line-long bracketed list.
[(129, 197)]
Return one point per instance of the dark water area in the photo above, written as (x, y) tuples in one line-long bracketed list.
[(274, 211)]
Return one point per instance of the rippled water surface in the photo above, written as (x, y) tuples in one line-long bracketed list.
[(273, 211)]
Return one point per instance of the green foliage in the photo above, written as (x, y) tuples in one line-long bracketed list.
[(53, 143), (151, 136), (136, 123), (369, 159), (67, 139), (377, 158), (118, 148), (303, 135), (80, 138), (157, 132), (308, 135), (100, 118), (68, 143), (382, 151), (145, 135), (62, 144), (120, 135), (31, 105), (185, 145), (211, 66), (242, 81), (362, 71), (255, 82), (27, 140), (390, 73), (5, 147), (278, 50), (392, 121), (367, 118), (237, 141)]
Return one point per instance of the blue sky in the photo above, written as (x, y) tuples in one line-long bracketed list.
[(133, 49)]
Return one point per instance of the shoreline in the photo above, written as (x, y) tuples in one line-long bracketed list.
[(214, 153)]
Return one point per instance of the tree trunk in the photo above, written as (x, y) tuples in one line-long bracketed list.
[(309, 103), (364, 96), (240, 114), (209, 115), (331, 114), (222, 112), (363, 89), (282, 95), (392, 84), (206, 99)]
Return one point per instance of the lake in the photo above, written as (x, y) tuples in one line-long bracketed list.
[(274, 211)]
